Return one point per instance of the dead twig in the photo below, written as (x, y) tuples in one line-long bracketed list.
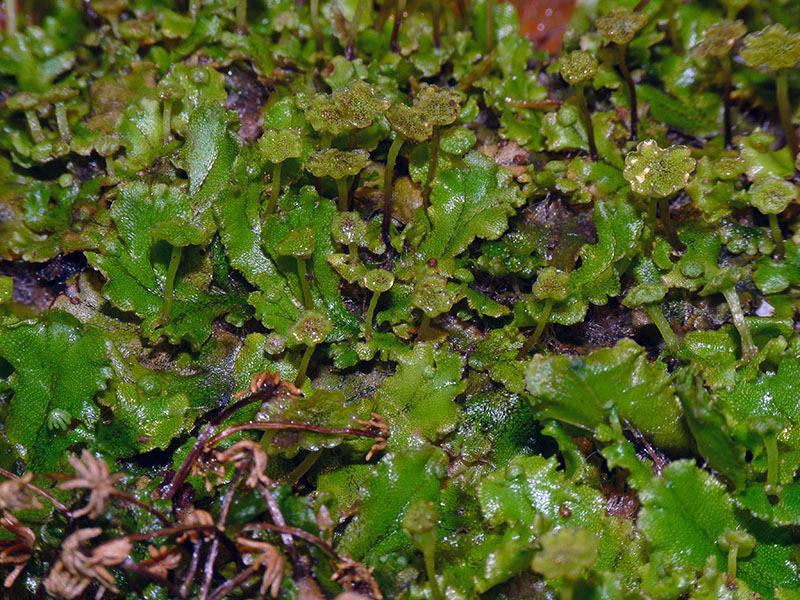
[(269, 385)]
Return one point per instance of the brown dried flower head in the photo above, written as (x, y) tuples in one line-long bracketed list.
[(378, 425), (76, 567), (16, 495), (93, 475), (18, 551), (258, 381), (207, 465), (355, 577), (269, 558), (196, 518), (248, 453), (162, 560)]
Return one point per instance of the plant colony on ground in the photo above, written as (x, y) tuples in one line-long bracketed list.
[(309, 298)]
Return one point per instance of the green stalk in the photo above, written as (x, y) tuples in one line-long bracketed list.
[(733, 554), (537, 333), (350, 53), (302, 272), (771, 446), (726, 96), (450, 23), (301, 469), (477, 72), (666, 221), (430, 570), (11, 17), (344, 203), (650, 225), (784, 109), (626, 74), (373, 303), (166, 121), (672, 24), (566, 589), (660, 321), (424, 326), (276, 188), (169, 284), (489, 25), (301, 372), (383, 15), (327, 140), (114, 22), (315, 23), (241, 15), (433, 163), (749, 349), (388, 174), (61, 120), (587, 119), (777, 237), (34, 126)]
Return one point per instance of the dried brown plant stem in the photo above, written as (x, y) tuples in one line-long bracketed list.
[(580, 96), (295, 532), (37, 490), (208, 571), (133, 567), (267, 425), (626, 74), (195, 561), (239, 579), (179, 529), (267, 390), (277, 518), (144, 506), (398, 17)]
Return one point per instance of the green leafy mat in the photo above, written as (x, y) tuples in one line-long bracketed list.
[(304, 298)]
